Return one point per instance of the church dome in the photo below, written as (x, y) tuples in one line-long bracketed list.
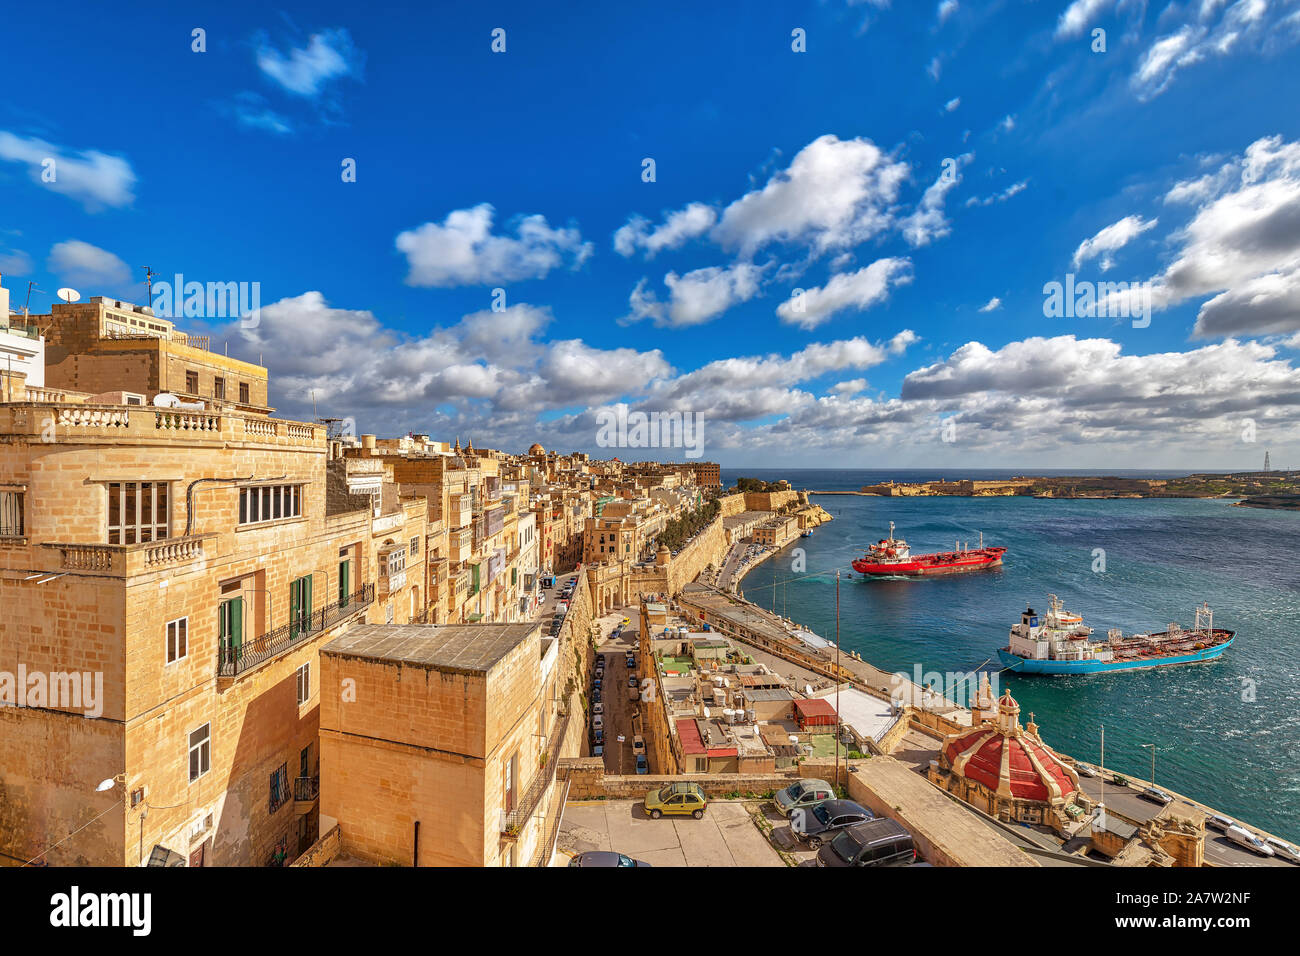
[(1011, 760), (536, 449)]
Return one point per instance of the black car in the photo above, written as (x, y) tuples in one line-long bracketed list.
[(817, 825), (881, 842), (605, 858)]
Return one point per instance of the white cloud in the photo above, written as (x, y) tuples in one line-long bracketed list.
[(15, 262), (1219, 29), (492, 367), (952, 104), (80, 263), (696, 297), (94, 179), (461, 250), (853, 290), (1111, 239), (946, 9), (305, 71), (1078, 16), (1003, 196), (927, 222), (835, 194), (694, 220), (1242, 244), (992, 305)]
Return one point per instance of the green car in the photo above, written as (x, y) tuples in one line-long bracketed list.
[(806, 793), (676, 798)]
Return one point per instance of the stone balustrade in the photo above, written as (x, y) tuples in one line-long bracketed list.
[(129, 559)]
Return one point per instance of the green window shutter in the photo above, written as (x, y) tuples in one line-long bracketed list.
[(295, 608), (230, 625), (344, 584)]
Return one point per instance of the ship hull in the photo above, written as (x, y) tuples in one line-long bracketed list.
[(926, 566), (1021, 665)]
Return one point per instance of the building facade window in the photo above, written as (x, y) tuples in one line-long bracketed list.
[(200, 751), (178, 644), (415, 548), (192, 382), (280, 787), (269, 503), (243, 393), (137, 511), (11, 514), (304, 683), (300, 606), (219, 388)]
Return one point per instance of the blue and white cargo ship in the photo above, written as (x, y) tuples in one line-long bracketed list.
[(1058, 642)]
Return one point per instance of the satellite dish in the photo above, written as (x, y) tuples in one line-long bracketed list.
[(166, 400), (68, 295)]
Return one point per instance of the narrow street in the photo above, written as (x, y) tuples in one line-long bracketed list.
[(621, 714)]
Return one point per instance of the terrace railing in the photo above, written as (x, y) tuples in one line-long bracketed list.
[(512, 821), (233, 660)]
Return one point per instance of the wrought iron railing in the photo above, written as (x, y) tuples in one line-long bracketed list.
[(512, 821), (235, 659), (306, 788)]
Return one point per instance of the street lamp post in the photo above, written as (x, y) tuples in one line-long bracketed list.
[(1153, 762)]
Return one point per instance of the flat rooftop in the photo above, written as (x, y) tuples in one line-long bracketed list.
[(471, 648)]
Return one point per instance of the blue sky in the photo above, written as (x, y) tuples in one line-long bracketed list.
[(1170, 159)]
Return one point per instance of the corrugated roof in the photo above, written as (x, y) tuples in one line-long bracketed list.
[(690, 736), (814, 707)]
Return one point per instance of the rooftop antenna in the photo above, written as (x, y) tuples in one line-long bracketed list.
[(28, 300), (148, 284)]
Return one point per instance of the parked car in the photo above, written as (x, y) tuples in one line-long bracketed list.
[(595, 694), (805, 793), (1283, 849), (631, 681), (604, 858), (1085, 769), (630, 661), (1156, 795), (624, 623), (881, 842), (597, 708), (598, 750), (677, 799), (820, 823), (1219, 823), (638, 744), (641, 765), (597, 722), (1243, 837)]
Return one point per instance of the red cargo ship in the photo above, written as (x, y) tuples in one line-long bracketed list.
[(891, 556)]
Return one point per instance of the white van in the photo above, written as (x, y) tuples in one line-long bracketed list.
[(1243, 837), (1285, 850)]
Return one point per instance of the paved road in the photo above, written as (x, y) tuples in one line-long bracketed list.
[(726, 836), (1218, 849), (619, 709)]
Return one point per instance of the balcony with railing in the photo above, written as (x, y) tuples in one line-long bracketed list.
[(79, 422), (306, 792), (125, 560), (513, 820), (235, 659)]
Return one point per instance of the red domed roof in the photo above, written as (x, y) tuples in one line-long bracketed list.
[(1010, 760)]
